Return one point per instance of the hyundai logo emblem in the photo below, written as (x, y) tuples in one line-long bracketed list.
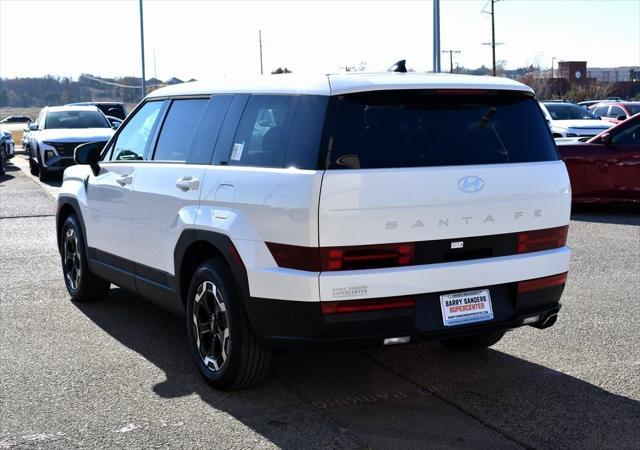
[(470, 184)]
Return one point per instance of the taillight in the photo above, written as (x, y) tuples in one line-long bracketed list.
[(342, 258), (541, 283), (377, 304), (537, 240), (367, 256)]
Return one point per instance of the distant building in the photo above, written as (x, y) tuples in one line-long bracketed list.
[(615, 74), (573, 71)]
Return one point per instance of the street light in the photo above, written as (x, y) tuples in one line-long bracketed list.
[(144, 82)]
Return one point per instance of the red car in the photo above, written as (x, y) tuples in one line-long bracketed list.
[(615, 112), (606, 168)]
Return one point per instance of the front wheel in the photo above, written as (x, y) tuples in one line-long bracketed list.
[(473, 342), (3, 161), (225, 350), (82, 284)]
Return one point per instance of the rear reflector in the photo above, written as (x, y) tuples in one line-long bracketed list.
[(541, 283), (378, 304), (538, 240)]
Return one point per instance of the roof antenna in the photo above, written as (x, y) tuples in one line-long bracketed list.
[(400, 66)]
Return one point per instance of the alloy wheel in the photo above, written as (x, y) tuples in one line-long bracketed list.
[(72, 267), (211, 326)]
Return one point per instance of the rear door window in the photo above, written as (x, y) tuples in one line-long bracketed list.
[(207, 134), (263, 131), (616, 112), (424, 128), (178, 129)]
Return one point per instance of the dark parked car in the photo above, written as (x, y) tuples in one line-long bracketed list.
[(16, 119), (606, 168), (113, 109), (7, 149)]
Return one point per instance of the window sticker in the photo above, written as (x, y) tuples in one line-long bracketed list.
[(236, 153)]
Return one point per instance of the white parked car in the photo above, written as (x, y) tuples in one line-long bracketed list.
[(568, 120), (339, 210), (58, 130)]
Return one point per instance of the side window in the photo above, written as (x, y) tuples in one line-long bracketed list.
[(178, 129), (134, 139), (616, 111), (306, 133), (263, 131), (628, 136), (601, 111), (207, 134)]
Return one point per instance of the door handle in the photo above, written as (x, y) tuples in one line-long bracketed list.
[(187, 184), (124, 180)]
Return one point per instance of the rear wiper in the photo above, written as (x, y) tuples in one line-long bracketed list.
[(486, 119)]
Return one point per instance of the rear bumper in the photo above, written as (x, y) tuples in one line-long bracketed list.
[(290, 324)]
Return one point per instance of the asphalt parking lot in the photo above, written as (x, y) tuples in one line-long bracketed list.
[(119, 373)]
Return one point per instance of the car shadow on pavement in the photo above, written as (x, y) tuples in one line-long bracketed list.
[(379, 397), (617, 213)]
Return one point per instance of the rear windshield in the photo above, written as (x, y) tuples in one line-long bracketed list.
[(415, 128)]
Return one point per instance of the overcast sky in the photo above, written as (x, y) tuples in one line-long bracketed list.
[(204, 39)]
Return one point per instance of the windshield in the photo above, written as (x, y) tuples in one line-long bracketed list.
[(568, 111), (76, 119), (430, 128), (633, 109)]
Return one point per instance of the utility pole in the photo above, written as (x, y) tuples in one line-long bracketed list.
[(436, 36), (144, 82), (260, 42), (493, 32), (451, 52)]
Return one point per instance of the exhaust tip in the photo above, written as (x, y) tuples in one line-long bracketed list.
[(547, 322)]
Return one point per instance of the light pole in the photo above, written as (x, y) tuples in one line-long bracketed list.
[(436, 36), (144, 81), (260, 42)]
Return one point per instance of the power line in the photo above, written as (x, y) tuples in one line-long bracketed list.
[(451, 52)]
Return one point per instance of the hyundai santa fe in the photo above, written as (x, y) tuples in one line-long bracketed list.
[(330, 211)]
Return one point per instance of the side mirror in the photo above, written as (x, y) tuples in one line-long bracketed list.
[(621, 118), (605, 138), (89, 153), (33, 127), (115, 124)]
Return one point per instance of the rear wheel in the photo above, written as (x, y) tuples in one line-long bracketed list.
[(82, 284), (473, 342), (225, 350)]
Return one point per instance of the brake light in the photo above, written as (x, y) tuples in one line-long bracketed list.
[(342, 258), (537, 240), (541, 283), (378, 304)]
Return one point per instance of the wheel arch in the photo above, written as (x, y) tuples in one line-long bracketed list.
[(194, 247), (67, 206)]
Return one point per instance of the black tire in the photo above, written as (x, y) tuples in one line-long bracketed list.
[(473, 342), (33, 167), (234, 360), (43, 174), (82, 284), (3, 161)]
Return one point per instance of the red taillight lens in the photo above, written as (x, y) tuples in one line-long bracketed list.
[(351, 306), (541, 283), (342, 258), (367, 257), (537, 240)]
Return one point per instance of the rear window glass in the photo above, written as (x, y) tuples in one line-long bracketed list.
[(416, 128)]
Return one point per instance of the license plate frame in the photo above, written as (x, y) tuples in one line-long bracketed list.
[(461, 308)]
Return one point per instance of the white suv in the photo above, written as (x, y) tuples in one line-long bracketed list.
[(339, 210)]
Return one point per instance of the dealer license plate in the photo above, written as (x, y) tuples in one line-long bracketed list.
[(466, 307)]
